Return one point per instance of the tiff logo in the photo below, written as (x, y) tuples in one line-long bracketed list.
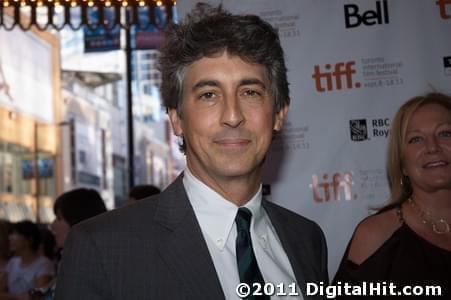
[(340, 182), (342, 70), (369, 18), (359, 130), (444, 14)]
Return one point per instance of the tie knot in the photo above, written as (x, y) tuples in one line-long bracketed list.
[(243, 219)]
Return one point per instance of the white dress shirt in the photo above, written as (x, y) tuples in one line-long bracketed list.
[(216, 217)]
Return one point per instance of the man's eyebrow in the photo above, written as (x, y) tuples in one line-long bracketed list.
[(203, 83), (215, 83), (252, 81)]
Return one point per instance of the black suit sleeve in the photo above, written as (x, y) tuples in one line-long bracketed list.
[(81, 275), (324, 259)]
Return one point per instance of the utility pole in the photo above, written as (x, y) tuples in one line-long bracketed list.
[(37, 177), (130, 135)]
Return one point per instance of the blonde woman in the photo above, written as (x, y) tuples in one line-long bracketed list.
[(409, 240)]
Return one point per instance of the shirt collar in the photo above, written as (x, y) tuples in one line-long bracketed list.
[(215, 214)]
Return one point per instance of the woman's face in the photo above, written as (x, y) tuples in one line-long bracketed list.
[(427, 149), (60, 229), (18, 242)]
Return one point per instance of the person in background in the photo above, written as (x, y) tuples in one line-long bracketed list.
[(5, 252), (71, 208), (142, 191), (47, 247), (226, 91), (409, 240), (27, 269)]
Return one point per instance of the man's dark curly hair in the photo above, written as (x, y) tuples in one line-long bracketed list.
[(208, 31)]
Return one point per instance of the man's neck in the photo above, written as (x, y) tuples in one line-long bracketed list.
[(238, 190)]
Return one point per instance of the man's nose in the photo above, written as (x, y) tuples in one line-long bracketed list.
[(232, 114)]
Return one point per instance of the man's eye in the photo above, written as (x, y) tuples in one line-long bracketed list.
[(251, 93), (207, 96)]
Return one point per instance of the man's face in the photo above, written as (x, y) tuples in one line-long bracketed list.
[(227, 118)]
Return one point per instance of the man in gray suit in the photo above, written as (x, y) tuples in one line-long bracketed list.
[(210, 234)]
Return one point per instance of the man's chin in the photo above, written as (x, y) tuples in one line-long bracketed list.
[(237, 169)]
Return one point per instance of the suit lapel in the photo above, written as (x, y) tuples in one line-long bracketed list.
[(295, 251), (183, 248)]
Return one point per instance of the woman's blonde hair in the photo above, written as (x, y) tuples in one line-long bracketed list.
[(400, 186)]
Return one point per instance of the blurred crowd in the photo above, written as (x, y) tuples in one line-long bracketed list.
[(30, 253)]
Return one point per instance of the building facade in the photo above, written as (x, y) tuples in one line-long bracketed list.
[(30, 160)]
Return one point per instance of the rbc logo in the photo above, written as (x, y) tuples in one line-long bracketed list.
[(368, 18), (378, 128), (340, 182), (340, 70), (444, 14), (381, 122), (359, 130)]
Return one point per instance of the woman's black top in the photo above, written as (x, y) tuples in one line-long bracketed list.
[(404, 259)]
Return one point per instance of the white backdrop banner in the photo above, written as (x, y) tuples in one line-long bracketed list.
[(351, 65)]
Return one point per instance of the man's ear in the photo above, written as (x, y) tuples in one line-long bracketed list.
[(280, 117), (175, 122)]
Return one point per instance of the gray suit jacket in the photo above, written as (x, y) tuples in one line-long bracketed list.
[(155, 249)]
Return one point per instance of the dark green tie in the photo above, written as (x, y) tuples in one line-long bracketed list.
[(247, 263)]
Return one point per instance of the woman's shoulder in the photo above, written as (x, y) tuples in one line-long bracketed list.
[(372, 233)]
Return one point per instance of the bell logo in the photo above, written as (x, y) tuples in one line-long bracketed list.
[(442, 5), (341, 71), (368, 18), (340, 182)]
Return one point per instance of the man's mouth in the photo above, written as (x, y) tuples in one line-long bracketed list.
[(233, 142)]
